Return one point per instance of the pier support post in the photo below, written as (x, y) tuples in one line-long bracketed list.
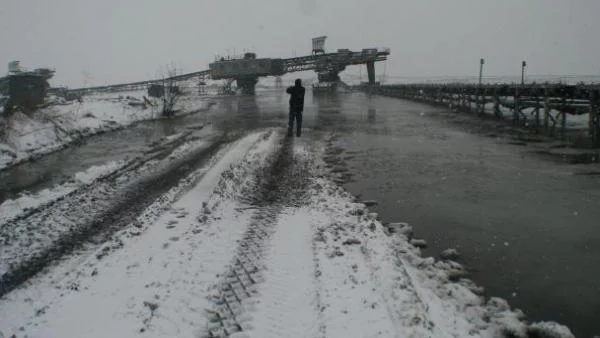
[(537, 114), (595, 117), (247, 84), (482, 100), (469, 102), (516, 106), (563, 124), (496, 100), (546, 109), (371, 72)]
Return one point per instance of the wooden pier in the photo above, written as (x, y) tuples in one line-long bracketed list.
[(542, 107)]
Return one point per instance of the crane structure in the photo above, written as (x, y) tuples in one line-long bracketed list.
[(247, 69)]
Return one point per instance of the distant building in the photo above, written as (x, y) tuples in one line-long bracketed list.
[(27, 90), (27, 87)]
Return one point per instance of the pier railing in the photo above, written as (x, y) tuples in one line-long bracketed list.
[(542, 107)]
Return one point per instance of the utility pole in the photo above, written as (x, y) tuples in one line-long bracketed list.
[(481, 63), (523, 65)]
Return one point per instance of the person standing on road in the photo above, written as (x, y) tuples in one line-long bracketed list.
[(296, 106)]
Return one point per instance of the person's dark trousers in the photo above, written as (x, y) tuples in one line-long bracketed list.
[(295, 115)]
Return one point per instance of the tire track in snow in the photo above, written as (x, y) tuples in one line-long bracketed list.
[(92, 214), (162, 274), (283, 184), (286, 303)]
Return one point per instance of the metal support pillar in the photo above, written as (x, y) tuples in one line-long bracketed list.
[(247, 84), (537, 114), (482, 100), (563, 124), (496, 101), (595, 117), (371, 72), (477, 102), (517, 106)]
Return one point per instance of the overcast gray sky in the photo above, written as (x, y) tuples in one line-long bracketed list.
[(111, 41)]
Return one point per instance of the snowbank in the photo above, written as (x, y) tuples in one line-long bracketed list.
[(56, 126)]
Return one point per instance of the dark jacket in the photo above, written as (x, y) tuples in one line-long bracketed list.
[(296, 98)]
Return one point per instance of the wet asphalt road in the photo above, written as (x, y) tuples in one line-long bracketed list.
[(526, 226)]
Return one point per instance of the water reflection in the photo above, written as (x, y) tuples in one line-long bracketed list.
[(168, 127), (248, 111), (328, 107), (371, 115), (237, 112)]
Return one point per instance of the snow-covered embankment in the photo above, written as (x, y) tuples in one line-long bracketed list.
[(27, 136)]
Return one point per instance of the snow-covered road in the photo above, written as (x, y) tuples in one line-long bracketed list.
[(257, 242)]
